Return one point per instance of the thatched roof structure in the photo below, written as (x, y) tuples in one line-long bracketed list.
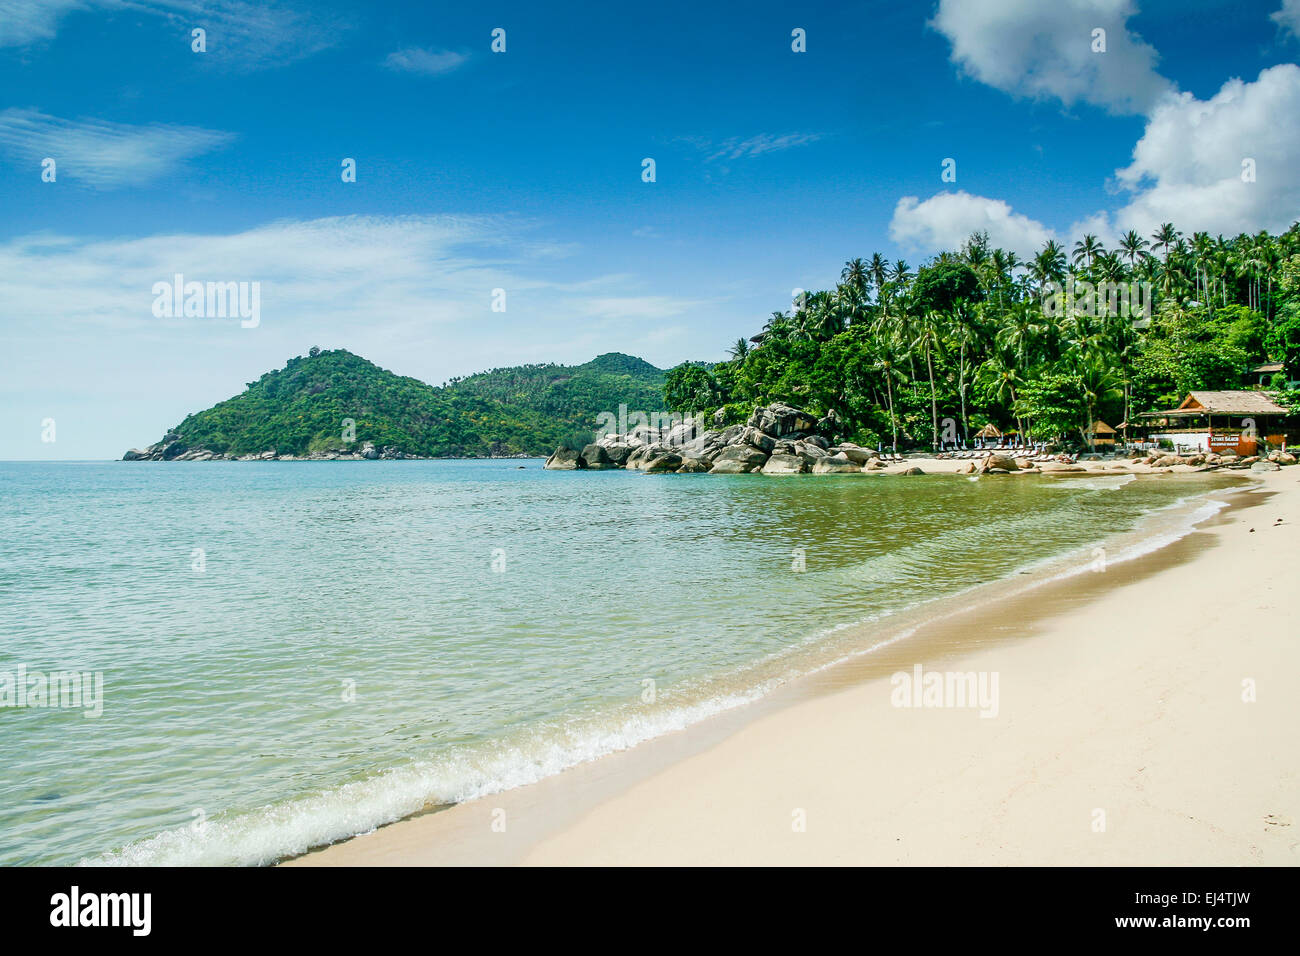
[(1197, 404)]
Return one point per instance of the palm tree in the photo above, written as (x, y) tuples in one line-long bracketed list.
[(1049, 265), (739, 350), (1164, 238), (878, 269), (883, 362), (1087, 250), (929, 342), (999, 378), (1133, 245)]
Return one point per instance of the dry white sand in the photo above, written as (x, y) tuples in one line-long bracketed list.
[(1125, 734)]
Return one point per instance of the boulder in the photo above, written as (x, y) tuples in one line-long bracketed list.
[(752, 436), (693, 466), (1261, 466), (855, 453), (662, 463), (1004, 464), (731, 467), (680, 434), (563, 459), (784, 465), (135, 454), (1167, 461), (877, 465), (719, 418), (597, 457), (780, 419), (835, 466), (617, 452), (747, 454), (914, 470), (810, 451)]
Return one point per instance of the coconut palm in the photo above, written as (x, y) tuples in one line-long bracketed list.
[(1133, 246), (1087, 249)]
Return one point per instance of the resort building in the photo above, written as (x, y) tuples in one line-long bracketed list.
[(1243, 423)]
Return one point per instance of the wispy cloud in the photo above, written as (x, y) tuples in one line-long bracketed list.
[(29, 21), (427, 62), (100, 153), (240, 34), (737, 148)]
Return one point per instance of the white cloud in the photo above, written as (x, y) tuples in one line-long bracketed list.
[(1288, 17), (240, 33), (1187, 168), (643, 308), (28, 21), (428, 62), (946, 220), (101, 153), (1044, 50), (736, 148)]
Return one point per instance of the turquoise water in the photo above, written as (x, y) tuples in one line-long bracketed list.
[(361, 640)]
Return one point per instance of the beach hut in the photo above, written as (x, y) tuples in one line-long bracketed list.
[(988, 431), (1224, 421), (1101, 434)]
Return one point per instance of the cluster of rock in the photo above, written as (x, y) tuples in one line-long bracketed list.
[(776, 440), (1211, 460), (172, 448)]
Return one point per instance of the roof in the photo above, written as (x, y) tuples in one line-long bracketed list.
[(1101, 428), (1268, 367), (1223, 403), (988, 431)]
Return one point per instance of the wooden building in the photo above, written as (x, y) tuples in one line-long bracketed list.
[(1241, 422)]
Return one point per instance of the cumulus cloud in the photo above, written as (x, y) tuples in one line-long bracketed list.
[(946, 220), (427, 62), (1044, 50), (1288, 17), (1187, 168), (101, 153)]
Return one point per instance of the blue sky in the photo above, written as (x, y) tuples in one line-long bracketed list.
[(522, 171)]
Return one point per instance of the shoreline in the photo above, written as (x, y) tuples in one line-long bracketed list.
[(554, 820)]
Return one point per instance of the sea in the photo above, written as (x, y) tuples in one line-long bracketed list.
[(245, 660)]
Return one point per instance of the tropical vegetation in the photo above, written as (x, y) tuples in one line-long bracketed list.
[(979, 336)]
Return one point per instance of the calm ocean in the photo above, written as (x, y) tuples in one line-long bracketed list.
[(292, 653)]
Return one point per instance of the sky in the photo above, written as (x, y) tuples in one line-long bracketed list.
[(524, 171)]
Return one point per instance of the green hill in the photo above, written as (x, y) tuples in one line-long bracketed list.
[(524, 410)]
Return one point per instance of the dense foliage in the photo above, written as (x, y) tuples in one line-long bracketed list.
[(979, 336), (525, 410)]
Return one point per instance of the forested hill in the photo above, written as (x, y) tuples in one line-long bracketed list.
[(529, 409)]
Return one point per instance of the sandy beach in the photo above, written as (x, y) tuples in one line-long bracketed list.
[(1145, 714)]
